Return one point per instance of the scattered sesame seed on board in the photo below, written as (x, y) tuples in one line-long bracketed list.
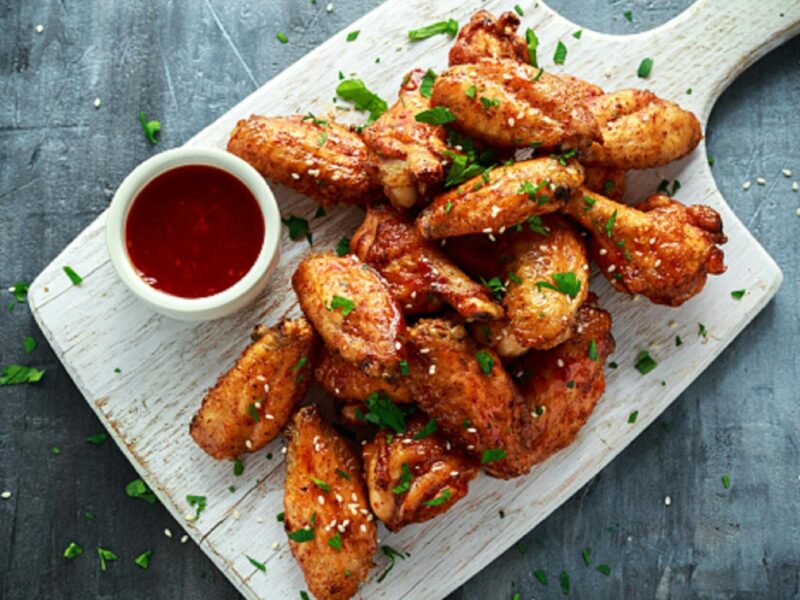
[(167, 532), (746, 185), (761, 181), (667, 501), (5, 495)]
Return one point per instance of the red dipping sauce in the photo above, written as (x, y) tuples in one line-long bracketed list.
[(194, 231)]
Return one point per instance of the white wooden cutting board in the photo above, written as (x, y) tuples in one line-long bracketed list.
[(166, 366)]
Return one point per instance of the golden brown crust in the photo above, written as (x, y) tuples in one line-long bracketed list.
[(514, 105), (480, 206), (562, 386), (249, 405), (413, 480), (323, 160), (413, 155), (608, 181), (640, 130), (483, 412), (416, 268), (488, 37), (658, 248), (315, 456), (370, 334), (345, 381)]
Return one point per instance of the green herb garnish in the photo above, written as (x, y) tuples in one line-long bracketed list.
[(138, 489), (492, 455), (335, 542), (253, 412), (345, 304), (355, 91), (73, 550), (443, 497), (566, 283), (73, 276), (199, 503), (485, 361), (560, 54), (426, 85), (281, 37), (532, 41), (321, 484), (450, 27), (301, 535), (592, 350), (632, 417), (439, 115), (105, 555), (150, 128), (737, 294), (353, 36), (258, 565), (392, 554), (143, 560), (645, 67), (405, 481), (645, 363), (384, 413), (298, 228), (726, 481), (343, 246), (18, 374), (238, 467)]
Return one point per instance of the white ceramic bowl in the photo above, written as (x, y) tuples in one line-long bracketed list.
[(227, 301)]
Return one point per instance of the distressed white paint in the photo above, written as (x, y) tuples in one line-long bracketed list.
[(167, 365)]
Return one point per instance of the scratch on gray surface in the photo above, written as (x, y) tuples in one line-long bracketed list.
[(662, 591), (231, 44), (169, 80)]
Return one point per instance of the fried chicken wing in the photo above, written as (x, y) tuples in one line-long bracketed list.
[(488, 37), (314, 156), (507, 196), (413, 155), (658, 248), (471, 397), (608, 181), (513, 105), (415, 267), (352, 308), (561, 386), (345, 381), (415, 476), (249, 405), (640, 130), (331, 530)]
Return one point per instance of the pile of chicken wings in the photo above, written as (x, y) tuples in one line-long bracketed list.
[(458, 333)]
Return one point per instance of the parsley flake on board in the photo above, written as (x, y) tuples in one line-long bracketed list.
[(105, 555), (238, 467), (345, 304), (443, 497), (645, 67), (97, 439), (28, 344), (450, 27), (18, 374), (384, 413), (737, 294), (405, 480), (353, 36), (72, 551), (199, 503), (604, 569), (586, 554), (701, 330), (143, 560), (678, 341), (281, 37), (628, 16), (532, 41), (426, 85), (566, 283), (355, 91), (392, 554), (518, 10), (438, 115), (633, 416), (726, 482), (645, 363), (563, 579), (541, 576), (298, 228), (492, 455), (258, 565), (73, 276), (304, 595), (429, 429), (343, 246), (150, 128), (560, 54), (485, 361), (20, 291), (577, 35), (138, 489)]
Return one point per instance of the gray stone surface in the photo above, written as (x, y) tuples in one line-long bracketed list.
[(186, 63)]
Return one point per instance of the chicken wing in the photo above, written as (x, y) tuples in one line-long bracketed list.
[(471, 397), (331, 530), (415, 267), (608, 181), (488, 37), (561, 386), (413, 155), (352, 308), (513, 105), (345, 381), (415, 476), (314, 156), (640, 130), (250, 404), (507, 196), (658, 248)]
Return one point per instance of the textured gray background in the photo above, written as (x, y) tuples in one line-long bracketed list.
[(186, 63)]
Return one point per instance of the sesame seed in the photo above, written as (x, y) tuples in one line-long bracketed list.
[(257, 404), (673, 324), (494, 212), (432, 370), (314, 172), (607, 72), (761, 181), (266, 388), (667, 501), (321, 500), (746, 185), (472, 430), (560, 363), (5, 495), (603, 251), (797, 212), (329, 7), (168, 533), (487, 230), (40, 28), (269, 417), (657, 263), (260, 378), (189, 516), (338, 497), (248, 444), (612, 268), (424, 350), (184, 539), (795, 186), (363, 528), (295, 176), (398, 345), (259, 519), (353, 497), (787, 173), (453, 473), (511, 122), (97, 103), (652, 241), (236, 514)]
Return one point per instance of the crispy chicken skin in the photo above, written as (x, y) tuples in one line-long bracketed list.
[(345, 381), (481, 206), (658, 248), (319, 158), (515, 105), (483, 412), (249, 405), (561, 408), (640, 130), (488, 37), (541, 317), (608, 181), (413, 480), (413, 155), (370, 334), (315, 455), (415, 267)]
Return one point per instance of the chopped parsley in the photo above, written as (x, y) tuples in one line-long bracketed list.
[(238, 467), (253, 411), (438, 115), (97, 439), (426, 85), (20, 291), (73, 276), (566, 283), (485, 361), (298, 228), (514, 278), (443, 497), (563, 579), (471, 91), (586, 554), (526, 187), (645, 363), (570, 384), (258, 565), (701, 330), (604, 569), (313, 118), (355, 91), (577, 35), (281, 37), (384, 413), (628, 16), (450, 27), (150, 128), (199, 503), (321, 484), (343, 246), (448, 207), (393, 555), (726, 482), (678, 341), (632, 417), (345, 304), (404, 368), (610, 223), (737, 294), (73, 550), (18, 374), (335, 542), (342, 474), (535, 225), (496, 286), (405, 481), (279, 517), (518, 10), (143, 560), (105, 555), (592, 350), (645, 67), (353, 36), (138, 489), (429, 429), (532, 41), (612, 365), (489, 103), (560, 54), (492, 455), (541, 576), (28, 344), (301, 535)]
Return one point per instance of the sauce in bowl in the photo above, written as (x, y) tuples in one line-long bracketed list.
[(194, 231)]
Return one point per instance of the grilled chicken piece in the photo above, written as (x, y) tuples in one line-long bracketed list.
[(561, 386), (249, 405), (352, 308), (507, 196), (658, 248), (608, 181), (513, 105), (413, 155), (583, 88), (488, 37), (317, 157), (345, 381), (471, 397), (412, 480), (415, 267), (331, 530), (640, 130)]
